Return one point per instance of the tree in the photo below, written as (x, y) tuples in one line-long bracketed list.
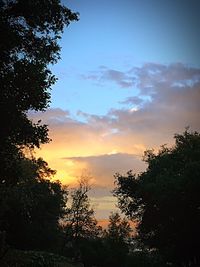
[(117, 238), (119, 229), (32, 209), (29, 31), (79, 219), (165, 199), (80, 225)]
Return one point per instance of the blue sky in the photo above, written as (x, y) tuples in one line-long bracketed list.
[(120, 34), (129, 78)]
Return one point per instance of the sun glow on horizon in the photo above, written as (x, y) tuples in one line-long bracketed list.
[(64, 178)]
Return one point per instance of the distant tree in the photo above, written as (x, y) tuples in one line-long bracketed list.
[(29, 30), (80, 221), (119, 230), (117, 238), (165, 200), (79, 224)]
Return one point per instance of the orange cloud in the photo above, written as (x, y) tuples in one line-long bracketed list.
[(80, 146), (115, 142)]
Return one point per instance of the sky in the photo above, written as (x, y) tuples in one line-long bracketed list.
[(128, 80)]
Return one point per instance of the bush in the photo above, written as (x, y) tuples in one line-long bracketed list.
[(19, 258)]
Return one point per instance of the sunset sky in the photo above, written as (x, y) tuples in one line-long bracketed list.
[(129, 78)]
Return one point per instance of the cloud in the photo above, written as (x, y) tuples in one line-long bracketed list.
[(144, 78), (167, 102), (133, 100), (153, 78), (85, 146), (122, 79), (103, 167), (174, 97), (173, 93)]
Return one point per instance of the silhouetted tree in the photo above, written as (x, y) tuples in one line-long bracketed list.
[(166, 201), (117, 238), (79, 224), (29, 32), (119, 230), (32, 209), (79, 217)]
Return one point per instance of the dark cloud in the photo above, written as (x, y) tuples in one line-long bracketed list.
[(103, 167), (122, 79), (146, 77), (100, 191), (133, 100), (152, 78), (51, 116)]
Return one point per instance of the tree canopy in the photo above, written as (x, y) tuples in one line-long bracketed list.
[(165, 199), (119, 230), (32, 208), (30, 31), (117, 238), (30, 204)]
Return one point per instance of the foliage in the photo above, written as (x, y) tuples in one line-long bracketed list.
[(79, 219), (119, 230), (116, 240), (30, 31), (32, 208), (19, 258), (165, 199), (144, 258), (80, 226), (92, 251), (30, 205)]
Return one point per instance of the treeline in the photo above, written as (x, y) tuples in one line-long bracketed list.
[(39, 216), (86, 241), (45, 223), (39, 226)]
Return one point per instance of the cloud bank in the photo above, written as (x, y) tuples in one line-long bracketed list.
[(167, 101)]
